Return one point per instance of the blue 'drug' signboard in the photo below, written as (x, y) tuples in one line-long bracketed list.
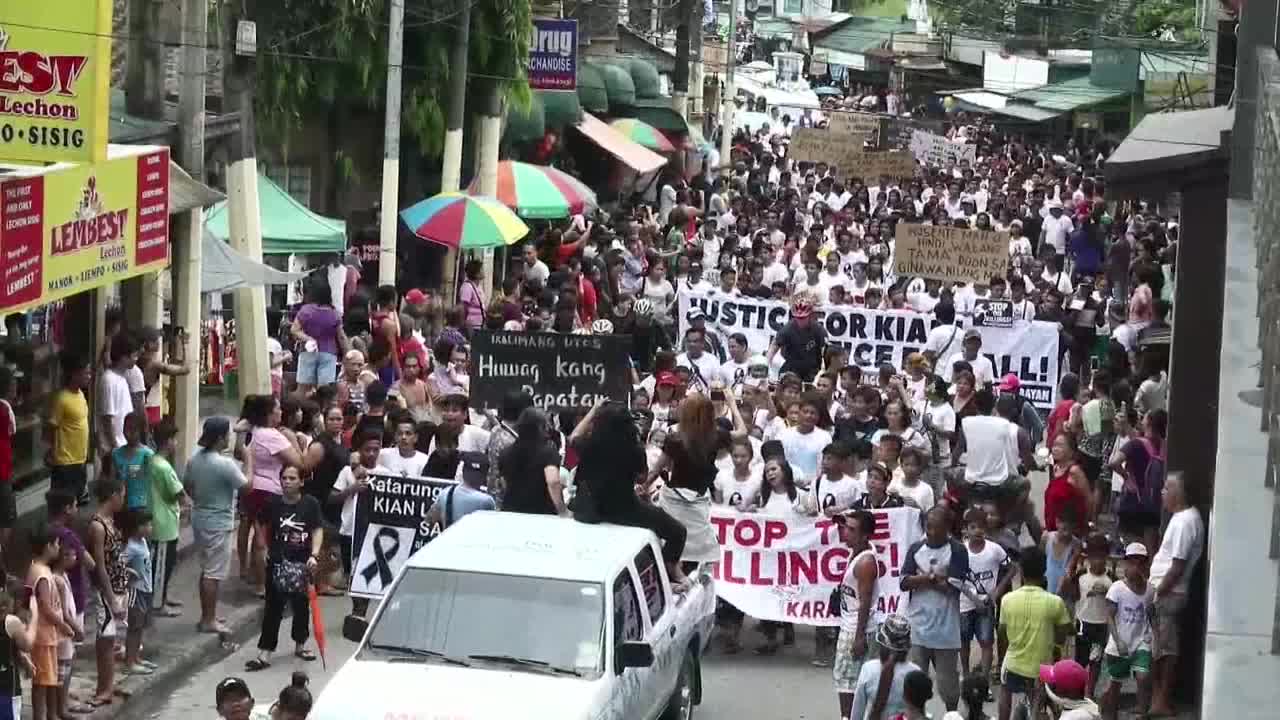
[(553, 55)]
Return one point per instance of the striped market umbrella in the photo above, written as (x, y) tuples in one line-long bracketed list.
[(642, 133), (539, 192), (458, 220)]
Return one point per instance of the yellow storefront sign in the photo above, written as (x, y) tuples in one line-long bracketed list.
[(55, 73), (84, 226)]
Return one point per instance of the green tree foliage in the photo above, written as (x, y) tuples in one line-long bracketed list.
[(1150, 16), (330, 56)]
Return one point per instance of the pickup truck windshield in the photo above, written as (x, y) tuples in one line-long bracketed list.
[(553, 624)]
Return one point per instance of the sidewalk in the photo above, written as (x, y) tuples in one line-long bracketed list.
[(173, 643)]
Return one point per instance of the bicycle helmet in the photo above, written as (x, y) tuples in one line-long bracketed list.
[(602, 327), (644, 307)]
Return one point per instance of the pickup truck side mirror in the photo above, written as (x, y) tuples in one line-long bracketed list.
[(354, 627), (634, 654)]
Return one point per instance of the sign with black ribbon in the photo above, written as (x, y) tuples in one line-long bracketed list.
[(558, 370), (391, 525), (993, 313)]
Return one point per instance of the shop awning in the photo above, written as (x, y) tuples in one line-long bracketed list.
[(186, 193), (560, 108), (525, 126), (288, 226), (658, 113), (222, 269), (618, 86), (1068, 95), (592, 93), (629, 153)]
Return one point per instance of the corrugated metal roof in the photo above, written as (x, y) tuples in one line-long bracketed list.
[(1068, 95), (860, 34), (981, 101)]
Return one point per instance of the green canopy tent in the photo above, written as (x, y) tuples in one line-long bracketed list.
[(288, 226)]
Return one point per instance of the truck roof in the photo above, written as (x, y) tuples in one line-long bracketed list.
[(547, 546)]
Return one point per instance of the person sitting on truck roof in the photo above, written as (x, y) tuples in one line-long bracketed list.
[(611, 470)]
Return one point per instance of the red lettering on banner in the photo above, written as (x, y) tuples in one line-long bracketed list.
[(827, 529), (881, 531), (746, 532), (756, 578), (728, 570), (774, 530), (888, 605), (893, 566), (806, 564), (722, 525), (833, 563), (805, 609)]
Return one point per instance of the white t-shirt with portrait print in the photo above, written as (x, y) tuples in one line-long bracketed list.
[(737, 493), (984, 568), (1133, 624), (840, 493), (804, 450)]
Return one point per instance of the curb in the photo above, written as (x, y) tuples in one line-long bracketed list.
[(177, 667)]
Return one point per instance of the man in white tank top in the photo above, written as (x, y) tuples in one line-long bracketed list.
[(859, 614)]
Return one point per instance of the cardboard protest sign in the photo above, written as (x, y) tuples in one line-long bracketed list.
[(869, 166), (933, 149), (815, 146), (950, 254), (558, 370), (1028, 349), (785, 568), (857, 124), (993, 313), (391, 525)]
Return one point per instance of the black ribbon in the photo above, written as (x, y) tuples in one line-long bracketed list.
[(380, 566)]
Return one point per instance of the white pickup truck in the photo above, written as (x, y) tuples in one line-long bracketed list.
[(534, 617)]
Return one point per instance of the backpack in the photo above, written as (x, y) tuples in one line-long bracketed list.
[(1145, 496)]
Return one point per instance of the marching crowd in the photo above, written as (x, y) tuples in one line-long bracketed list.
[(1074, 591)]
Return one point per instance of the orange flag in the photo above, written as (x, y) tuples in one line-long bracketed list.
[(317, 624)]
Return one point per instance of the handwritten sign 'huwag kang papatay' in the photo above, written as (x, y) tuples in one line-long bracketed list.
[(558, 370), (950, 254)]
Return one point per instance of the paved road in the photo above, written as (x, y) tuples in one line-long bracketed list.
[(736, 687)]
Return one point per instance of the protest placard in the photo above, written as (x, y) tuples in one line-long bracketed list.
[(896, 133), (933, 149), (391, 525), (1028, 349), (558, 370), (950, 254), (993, 313), (857, 124), (815, 146), (785, 568), (869, 166)]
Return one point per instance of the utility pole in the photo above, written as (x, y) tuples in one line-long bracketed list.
[(451, 172), (391, 150), (680, 73), (245, 218), (727, 100), (189, 225)]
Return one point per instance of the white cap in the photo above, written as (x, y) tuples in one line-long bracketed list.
[(1135, 549)]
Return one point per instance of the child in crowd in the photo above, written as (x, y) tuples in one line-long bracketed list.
[(988, 579), (136, 527), (1092, 611), (50, 623), (353, 480), (167, 498), (1129, 604), (16, 642), (1060, 547), (68, 558), (128, 463), (910, 485)]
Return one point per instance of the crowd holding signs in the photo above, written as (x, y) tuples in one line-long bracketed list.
[(950, 254), (784, 568), (1027, 349), (934, 149), (558, 370)]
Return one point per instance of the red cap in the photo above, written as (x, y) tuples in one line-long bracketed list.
[(666, 377), (1065, 676), (1010, 383), (415, 297)]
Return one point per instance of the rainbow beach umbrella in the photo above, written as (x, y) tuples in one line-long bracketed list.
[(540, 192), (463, 221), (642, 133)]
